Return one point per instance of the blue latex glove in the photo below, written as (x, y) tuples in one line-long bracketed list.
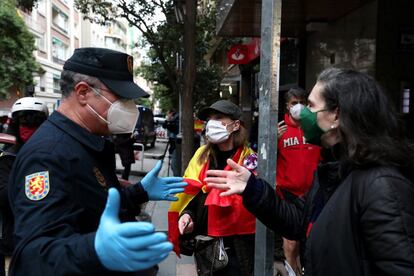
[(161, 188), (128, 246)]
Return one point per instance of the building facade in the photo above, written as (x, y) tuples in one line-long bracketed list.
[(59, 29), (56, 27)]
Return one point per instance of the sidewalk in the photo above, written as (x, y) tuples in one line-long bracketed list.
[(142, 166)]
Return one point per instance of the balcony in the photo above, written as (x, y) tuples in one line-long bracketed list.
[(58, 60)]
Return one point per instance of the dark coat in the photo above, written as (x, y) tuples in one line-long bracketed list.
[(365, 224)]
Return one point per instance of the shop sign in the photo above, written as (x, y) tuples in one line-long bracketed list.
[(244, 53)]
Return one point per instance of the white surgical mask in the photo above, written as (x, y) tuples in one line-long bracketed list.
[(122, 115), (216, 132), (295, 111)]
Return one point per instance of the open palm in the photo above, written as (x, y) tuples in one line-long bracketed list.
[(233, 182)]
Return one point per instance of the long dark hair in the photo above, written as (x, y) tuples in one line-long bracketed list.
[(369, 129)]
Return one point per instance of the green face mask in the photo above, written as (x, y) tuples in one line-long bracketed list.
[(310, 127)]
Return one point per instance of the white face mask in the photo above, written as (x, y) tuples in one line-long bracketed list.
[(216, 132), (122, 115), (295, 111)]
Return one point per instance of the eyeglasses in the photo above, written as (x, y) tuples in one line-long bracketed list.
[(100, 94), (94, 89)]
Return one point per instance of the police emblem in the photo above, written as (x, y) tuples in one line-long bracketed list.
[(130, 64), (37, 185), (99, 177), (250, 162)]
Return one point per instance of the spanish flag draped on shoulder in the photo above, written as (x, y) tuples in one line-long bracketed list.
[(226, 215)]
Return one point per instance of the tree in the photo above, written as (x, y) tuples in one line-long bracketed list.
[(16, 50), (208, 76)]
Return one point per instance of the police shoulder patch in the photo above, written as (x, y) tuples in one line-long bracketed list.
[(37, 185)]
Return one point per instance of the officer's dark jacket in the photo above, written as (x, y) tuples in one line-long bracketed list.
[(366, 226), (55, 235)]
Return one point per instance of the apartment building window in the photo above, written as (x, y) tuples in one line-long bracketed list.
[(118, 29), (40, 42), (42, 83), (41, 7), (59, 50), (114, 43), (60, 19), (56, 86)]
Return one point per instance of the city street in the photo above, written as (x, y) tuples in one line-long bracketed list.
[(157, 210), (305, 108)]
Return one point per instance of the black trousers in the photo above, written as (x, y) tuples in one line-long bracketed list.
[(126, 172)]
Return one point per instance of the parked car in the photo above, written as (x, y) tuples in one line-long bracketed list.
[(160, 131), (145, 128), (6, 140)]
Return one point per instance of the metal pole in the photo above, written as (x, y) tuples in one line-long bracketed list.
[(268, 112)]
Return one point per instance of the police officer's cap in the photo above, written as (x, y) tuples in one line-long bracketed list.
[(113, 68)]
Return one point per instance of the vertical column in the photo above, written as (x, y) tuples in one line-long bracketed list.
[(268, 111), (49, 29)]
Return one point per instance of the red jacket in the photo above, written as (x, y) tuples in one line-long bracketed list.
[(296, 160)]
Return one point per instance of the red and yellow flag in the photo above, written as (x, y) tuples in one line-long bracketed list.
[(226, 215)]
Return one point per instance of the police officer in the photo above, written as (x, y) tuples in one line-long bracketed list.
[(65, 174)]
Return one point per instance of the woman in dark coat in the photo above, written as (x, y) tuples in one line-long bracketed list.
[(358, 217)]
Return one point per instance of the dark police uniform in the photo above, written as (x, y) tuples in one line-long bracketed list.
[(58, 191)]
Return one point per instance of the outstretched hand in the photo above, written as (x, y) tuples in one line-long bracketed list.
[(234, 182), (128, 246), (162, 188)]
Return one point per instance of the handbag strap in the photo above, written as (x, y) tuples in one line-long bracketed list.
[(222, 251)]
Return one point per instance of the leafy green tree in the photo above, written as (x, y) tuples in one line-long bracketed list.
[(16, 50), (144, 102), (208, 76)]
